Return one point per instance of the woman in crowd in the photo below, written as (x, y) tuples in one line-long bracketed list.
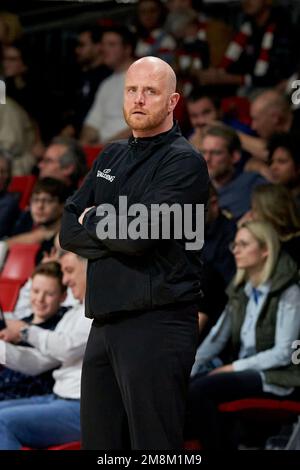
[(259, 325), (284, 159), (275, 204)]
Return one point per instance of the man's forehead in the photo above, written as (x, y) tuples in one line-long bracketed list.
[(141, 76), (56, 150)]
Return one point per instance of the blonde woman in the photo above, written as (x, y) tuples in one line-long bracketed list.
[(259, 324), (275, 204)]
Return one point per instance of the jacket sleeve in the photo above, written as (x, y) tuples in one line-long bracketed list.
[(73, 236), (181, 180)]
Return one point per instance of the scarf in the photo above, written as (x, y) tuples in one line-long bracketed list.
[(238, 44)]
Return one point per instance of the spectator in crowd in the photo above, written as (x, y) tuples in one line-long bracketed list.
[(46, 420), (203, 109), (28, 91), (9, 208), (284, 160), (275, 204), (17, 135), (219, 233), (41, 222), (64, 160), (46, 295), (270, 113), (92, 71), (218, 264), (105, 120), (23, 306), (221, 149), (152, 38), (192, 51), (260, 53), (260, 323)]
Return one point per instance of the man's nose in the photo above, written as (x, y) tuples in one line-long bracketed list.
[(139, 97)]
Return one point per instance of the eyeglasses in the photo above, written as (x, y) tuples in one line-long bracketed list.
[(43, 200), (241, 244)]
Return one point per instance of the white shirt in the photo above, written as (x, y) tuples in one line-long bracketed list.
[(106, 113), (62, 347)]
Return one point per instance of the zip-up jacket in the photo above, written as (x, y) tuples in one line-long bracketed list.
[(128, 274)]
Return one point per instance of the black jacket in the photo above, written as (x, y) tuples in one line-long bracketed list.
[(126, 274)]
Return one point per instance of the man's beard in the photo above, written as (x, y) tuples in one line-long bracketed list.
[(148, 122)]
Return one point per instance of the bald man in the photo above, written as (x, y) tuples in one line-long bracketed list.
[(270, 113), (142, 291)]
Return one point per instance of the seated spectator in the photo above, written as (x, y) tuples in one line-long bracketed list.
[(270, 113), (29, 92), (64, 160), (284, 160), (192, 51), (260, 54), (9, 208), (275, 204), (85, 80), (204, 108), (259, 324), (221, 149), (152, 38), (41, 222), (46, 420), (219, 233), (23, 306), (46, 295), (105, 120), (17, 135)]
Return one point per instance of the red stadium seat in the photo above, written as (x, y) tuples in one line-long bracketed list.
[(22, 185), (9, 292), (247, 404), (68, 446), (20, 261), (92, 153)]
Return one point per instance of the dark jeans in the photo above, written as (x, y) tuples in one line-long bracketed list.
[(135, 380), (205, 393)]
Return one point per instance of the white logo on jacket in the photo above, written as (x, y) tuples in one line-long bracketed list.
[(104, 174)]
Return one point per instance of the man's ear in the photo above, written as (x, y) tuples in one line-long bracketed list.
[(173, 100), (236, 156)]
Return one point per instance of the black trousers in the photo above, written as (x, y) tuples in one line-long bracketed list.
[(135, 377), (213, 429)]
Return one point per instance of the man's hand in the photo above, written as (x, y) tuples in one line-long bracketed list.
[(227, 368), (80, 220), (11, 334)]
